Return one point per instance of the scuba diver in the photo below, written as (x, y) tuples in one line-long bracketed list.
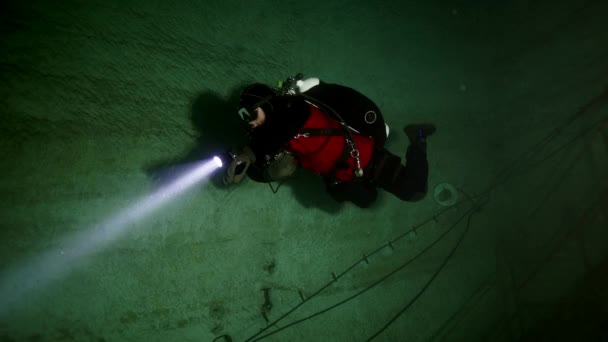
[(331, 130)]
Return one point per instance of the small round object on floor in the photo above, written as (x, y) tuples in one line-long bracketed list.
[(445, 194)]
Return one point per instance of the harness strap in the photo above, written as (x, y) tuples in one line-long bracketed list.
[(315, 132), (344, 155), (343, 131)]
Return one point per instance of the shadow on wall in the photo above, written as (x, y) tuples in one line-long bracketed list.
[(219, 129)]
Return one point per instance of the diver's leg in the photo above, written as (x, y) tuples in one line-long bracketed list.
[(409, 182), (412, 182), (414, 179)]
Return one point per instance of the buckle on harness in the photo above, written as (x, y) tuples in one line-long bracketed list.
[(302, 135)]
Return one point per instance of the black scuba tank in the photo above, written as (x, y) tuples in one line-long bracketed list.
[(356, 109)]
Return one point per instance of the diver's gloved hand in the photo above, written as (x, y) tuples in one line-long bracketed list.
[(237, 169), (281, 169)]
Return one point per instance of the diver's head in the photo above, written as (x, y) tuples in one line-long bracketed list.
[(255, 104)]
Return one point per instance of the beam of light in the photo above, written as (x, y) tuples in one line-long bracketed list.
[(21, 282)]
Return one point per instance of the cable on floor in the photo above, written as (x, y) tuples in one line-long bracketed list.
[(509, 172), (429, 282), (417, 256)]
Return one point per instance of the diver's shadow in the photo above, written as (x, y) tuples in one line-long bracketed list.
[(219, 129), (309, 190)]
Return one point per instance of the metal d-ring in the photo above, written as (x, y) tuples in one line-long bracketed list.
[(373, 118), (354, 153)]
